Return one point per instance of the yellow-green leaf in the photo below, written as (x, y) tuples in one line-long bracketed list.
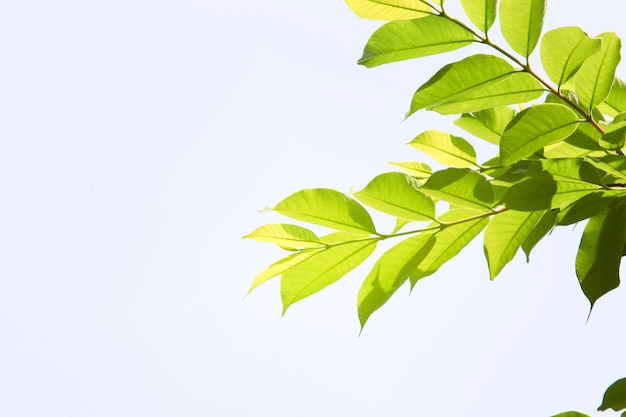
[(418, 170), (389, 9), (281, 266), (521, 22), (615, 103), (445, 148), (487, 124), (482, 13), (541, 229), (462, 187), (287, 236)]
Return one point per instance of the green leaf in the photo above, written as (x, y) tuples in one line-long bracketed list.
[(589, 206), (543, 192), (614, 396), (287, 236), (616, 101), (446, 148), (574, 170), (482, 13), (418, 170), (541, 229), (534, 128), (504, 235), (564, 50), (487, 124), (584, 141), (612, 164), (281, 266), (324, 267), (521, 22), (460, 186), (389, 9), (395, 193), (571, 414), (406, 39), (457, 233), (328, 208), (614, 136), (594, 78), (390, 272), (475, 83), (600, 253)]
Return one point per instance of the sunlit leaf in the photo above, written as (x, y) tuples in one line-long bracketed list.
[(324, 267), (534, 128), (584, 141), (614, 136), (328, 208), (281, 266), (600, 253), (475, 83), (575, 170), (616, 101), (287, 236), (418, 170), (614, 396), (612, 164), (487, 124), (463, 187), (505, 234), (445, 148), (521, 22), (482, 13), (406, 39), (450, 241), (594, 78), (589, 206), (564, 50), (541, 229), (542, 192), (571, 414), (395, 193), (389, 9), (390, 272)]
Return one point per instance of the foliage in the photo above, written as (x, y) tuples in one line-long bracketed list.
[(558, 159)]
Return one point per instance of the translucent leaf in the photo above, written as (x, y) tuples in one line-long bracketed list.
[(287, 236), (446, 148), (390, 272), (462, 187), (521, 22), (563, 51), (534, 128), (616, 101), (614, 136), (612, 164), (324, 267), (504, 235), (589, 206), (281, 266), (450, 240), (574, 170), (395, 193), (487, 124), (542, 192), (541, 229), (389, 9), (614, 396), (418, 170), (482, 13), (406, 39), (594, 78), (475, 83), (584, 141), (600, 253), (328, 208), (571, 414)]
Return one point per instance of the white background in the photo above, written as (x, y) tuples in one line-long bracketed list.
[(137, 142)]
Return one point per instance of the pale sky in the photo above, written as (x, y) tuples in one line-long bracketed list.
[(138, 142)]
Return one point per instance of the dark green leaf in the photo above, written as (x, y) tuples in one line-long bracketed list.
[(460, 186), (521, 22), (563, 51), (571, 414), (446, 148), (395, 193), (600, 253), (594, 78), (327, 208), (534, 128), (541, 229), (406, 39), (504, 235), (614, 396), (487, 124), (324, 267), (457, 233), (390, 272), (482, 13), (475, 83)]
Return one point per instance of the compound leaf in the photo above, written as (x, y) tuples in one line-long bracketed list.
[(406, 39)]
